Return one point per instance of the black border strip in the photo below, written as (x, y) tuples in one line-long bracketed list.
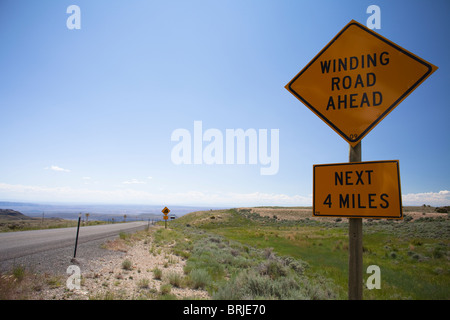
[(397, 162), (406, 93)]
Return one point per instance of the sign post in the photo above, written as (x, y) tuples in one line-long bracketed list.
[(352, 84), (165, 211), (76, 238), (355, 235)]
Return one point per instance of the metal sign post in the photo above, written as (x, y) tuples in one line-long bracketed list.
[(355, 235)]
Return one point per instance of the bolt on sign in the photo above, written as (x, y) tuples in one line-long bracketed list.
[(357, 80), (357, 190)]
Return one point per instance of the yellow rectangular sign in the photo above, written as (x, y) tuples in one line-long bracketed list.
[(357, 190)]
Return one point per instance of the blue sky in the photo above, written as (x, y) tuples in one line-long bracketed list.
[(87, 115)]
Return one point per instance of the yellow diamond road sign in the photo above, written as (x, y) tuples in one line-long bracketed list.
[(358, 79), (357, 190), (165, 210)]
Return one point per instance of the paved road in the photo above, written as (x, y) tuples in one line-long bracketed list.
[(23, 243)]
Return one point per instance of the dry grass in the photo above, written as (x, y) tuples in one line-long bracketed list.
[(418, 214), (299, 213), (201, 217), (282, 213), (116, 245), (7, 225), (23, 284)]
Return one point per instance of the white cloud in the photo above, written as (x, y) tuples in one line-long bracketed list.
[(440, 198), (230, 199), (41, 193), (56, 168), (134, 181), (89, 181), (269, 199)]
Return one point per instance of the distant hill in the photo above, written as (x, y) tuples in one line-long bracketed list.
[(10, 214), (98, 211)]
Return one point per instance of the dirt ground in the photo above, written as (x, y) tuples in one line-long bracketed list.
[(111, 281)]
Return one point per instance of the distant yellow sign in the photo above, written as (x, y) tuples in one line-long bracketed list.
[(165, 210), (165, 217), (358, 79), (357, 190)]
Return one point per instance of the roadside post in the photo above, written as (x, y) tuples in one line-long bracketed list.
[(165, 211), (76, 239), (352, 84)]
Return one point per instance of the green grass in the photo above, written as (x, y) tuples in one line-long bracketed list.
[(318, 251), (413, 256), (412, 267), (229, 269)]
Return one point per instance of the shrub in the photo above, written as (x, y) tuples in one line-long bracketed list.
[(123, 235), (417, 256), (127, 265), (199, 278), (228, 292), (273, 269), (181, 253), (268, 253), (19, 273), (437, 253), (175, 279), (407, 218), (157, 273), (143, 283), (165, 289), (297, 266), (252, 285)]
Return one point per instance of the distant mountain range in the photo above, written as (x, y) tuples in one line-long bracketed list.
[(9, 214), (97, 211)]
